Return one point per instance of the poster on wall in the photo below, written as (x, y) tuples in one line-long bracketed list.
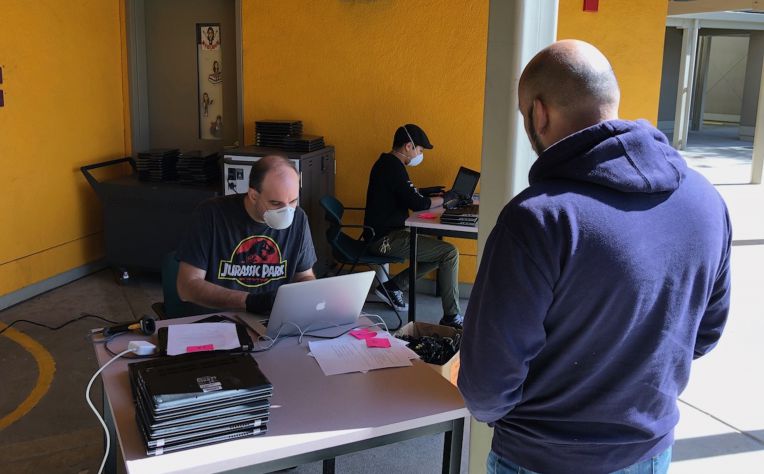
[(210, 79)]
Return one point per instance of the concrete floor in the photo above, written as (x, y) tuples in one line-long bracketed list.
[(717, 153), (721, 429), (60, 434)]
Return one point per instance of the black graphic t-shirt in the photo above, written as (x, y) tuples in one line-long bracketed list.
[(242, 254)]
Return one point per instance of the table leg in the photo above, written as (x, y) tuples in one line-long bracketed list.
[(412, 273), (111, 458), (437, 275), (329, 466), (452, 448)]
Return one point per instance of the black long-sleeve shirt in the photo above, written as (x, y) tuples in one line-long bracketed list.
[(390, 196)]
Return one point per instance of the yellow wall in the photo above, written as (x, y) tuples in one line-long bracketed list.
[(630, 33), (64, 108), (353, 71)]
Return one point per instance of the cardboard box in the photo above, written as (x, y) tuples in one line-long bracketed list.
[(450, 369)]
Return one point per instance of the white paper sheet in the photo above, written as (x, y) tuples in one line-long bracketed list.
[(347, 354), (181, 337)]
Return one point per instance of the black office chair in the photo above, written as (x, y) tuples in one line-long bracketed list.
[(173, 306), (349, 251)]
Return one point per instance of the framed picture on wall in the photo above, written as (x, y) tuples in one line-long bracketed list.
[(210, 80)]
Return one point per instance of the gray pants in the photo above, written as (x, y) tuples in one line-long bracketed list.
[(431, 254)]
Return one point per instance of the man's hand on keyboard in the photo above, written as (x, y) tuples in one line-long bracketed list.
[(452, 200)]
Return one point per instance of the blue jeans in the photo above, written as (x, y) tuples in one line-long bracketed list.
[(657, 464)]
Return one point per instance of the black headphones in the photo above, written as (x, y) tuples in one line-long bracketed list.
[(145, 326)]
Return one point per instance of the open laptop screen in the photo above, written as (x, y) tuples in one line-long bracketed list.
[(466, 181), (312, 305)]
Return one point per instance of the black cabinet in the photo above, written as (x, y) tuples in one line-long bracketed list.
[(143, 221), (317, 170)]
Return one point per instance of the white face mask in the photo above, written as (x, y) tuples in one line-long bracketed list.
[(416, 160), (279, 218)]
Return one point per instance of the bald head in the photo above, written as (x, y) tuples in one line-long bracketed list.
[(277, 165), (273, 184), (566, 87), (571, 75)]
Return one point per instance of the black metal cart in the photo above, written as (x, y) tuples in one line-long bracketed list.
[(142, 220)]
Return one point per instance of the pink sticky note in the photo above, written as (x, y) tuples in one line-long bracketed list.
[(377, 342), (206, 347), (427, 215), (362, 333)]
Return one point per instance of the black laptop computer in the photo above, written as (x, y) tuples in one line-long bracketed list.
[(190, 380), (462, 211), (466, 182)]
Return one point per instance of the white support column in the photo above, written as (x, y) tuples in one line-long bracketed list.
[(684, 90), (517, 30), (757, 162)]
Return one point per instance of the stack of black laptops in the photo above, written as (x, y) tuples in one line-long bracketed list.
[(465, 215), (195, 168), (157, 164), (463, 211), (197, 399), (286, 135)]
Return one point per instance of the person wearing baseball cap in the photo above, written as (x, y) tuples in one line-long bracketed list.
[(389, 198)]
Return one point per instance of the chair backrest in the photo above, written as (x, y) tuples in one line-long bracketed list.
[(333, 209), (174, 307), (344, 247)]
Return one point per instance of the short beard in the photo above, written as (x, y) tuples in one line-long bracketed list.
[(538, 147)]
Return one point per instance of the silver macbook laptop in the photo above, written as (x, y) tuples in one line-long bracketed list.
[(308, 306)]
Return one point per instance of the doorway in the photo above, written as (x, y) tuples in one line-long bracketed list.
[(166, 67)]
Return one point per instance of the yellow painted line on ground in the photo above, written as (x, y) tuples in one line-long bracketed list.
[(46, 367)]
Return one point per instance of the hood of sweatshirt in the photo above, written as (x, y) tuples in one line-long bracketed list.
[(631, 157)]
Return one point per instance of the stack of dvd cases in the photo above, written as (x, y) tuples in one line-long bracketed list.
[(286, 135), (195, 168), (304, 143), (272, 133), (197, 399), (157, 164)]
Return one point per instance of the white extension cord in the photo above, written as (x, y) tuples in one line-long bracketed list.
[(141, 348)]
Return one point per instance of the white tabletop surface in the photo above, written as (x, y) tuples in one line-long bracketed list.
[(415, 221), (310, 411)]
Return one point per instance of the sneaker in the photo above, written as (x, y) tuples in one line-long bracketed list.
[(396, 299), (455, 321)]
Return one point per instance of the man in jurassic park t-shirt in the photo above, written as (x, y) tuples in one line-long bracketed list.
[(240, 248)]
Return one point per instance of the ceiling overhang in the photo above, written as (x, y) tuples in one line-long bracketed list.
[(690, 7)]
